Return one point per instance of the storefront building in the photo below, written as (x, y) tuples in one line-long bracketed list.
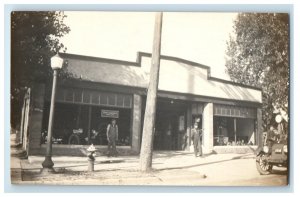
[(101, 89)]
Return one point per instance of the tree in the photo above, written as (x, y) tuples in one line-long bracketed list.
[(34, 39), (258, 55)]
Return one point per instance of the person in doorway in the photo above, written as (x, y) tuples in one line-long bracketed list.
[(112, 137), (197, 140), (168, 139)]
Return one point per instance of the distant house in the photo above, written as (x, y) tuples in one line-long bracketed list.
[(101, 89)]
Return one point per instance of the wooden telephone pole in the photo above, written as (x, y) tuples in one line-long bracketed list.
[(150, 111)]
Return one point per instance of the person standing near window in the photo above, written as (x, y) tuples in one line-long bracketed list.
[(112, 137), (197, 140)]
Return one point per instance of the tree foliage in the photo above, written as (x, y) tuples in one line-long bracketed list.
[(34, 40), (258, 55)]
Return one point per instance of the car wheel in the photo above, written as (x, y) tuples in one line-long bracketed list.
[(263, 165)]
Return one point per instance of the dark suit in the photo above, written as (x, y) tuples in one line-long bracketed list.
[(112, 137)]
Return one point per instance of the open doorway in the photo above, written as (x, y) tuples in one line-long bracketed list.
[(170, 124)]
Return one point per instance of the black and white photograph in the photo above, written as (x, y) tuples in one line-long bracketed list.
[(150, 98)]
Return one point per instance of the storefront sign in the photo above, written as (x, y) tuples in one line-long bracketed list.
[(109, 113)]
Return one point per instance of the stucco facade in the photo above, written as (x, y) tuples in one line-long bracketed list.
[(101, 89)]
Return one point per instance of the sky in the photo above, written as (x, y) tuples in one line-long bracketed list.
[(198, 37)]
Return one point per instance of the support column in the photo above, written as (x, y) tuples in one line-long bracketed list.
[(89, 124), (21, 132), (25, 131), (36, 117), (234, 129), (208, 128), (188, 127), (259, 128), (136, 123)]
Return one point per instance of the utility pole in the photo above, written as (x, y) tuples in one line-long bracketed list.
[(150, 111)]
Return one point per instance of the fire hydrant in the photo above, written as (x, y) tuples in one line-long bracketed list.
[(91, 157)]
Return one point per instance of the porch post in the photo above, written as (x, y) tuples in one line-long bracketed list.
[(89, 124), (188, 126), (208, 128), (136, 123)]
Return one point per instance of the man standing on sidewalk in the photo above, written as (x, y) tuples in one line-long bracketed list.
[(112, 137), (197, 141)]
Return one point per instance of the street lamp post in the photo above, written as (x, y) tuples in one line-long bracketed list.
[(56, 64)]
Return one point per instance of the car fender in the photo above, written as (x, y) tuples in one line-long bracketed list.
[(259, 151)]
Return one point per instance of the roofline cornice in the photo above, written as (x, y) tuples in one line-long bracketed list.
[(144, 54)]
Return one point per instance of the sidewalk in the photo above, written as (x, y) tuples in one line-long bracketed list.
[(169, 168)]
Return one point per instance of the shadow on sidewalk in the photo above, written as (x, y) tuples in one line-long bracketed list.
[(169, 154), (208, 163), (114, 161), (81, 165), (67, 176), (274, 171)]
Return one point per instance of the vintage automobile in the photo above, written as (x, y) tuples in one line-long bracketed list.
[(266, 159), (272, 154)]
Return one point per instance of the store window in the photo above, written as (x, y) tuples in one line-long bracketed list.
[(223, 131), (81, 117), (70, 125), (234, 126)]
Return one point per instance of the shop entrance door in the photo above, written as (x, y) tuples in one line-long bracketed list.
[(169, 127)]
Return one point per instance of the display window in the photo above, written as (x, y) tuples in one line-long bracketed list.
[(234, 126), (81, 117)]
